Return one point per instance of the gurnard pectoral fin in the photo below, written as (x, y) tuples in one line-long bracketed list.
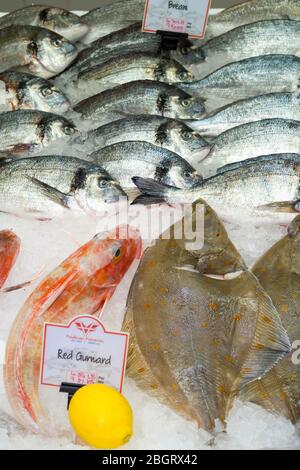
[(52, 193)]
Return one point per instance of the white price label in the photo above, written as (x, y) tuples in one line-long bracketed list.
[(179, 16), (83, 352)]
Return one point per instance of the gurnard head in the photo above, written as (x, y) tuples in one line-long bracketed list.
[(115, 253), (51, 52), (9, 250), (63, 22)]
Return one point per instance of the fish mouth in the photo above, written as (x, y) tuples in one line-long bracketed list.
[(77, 32)]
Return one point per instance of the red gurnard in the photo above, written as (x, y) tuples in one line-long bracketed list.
[(81, 284), (9, 250)]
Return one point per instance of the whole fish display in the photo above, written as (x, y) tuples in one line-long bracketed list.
[(123, 160), (9, 251), (25, 131), (112, 17), (59, 20), (167, 133), (257, 108), (129, 68), (266, 137), (278, 272), (258, 185), (250, 12), (252, 40), (245, 79), (82, 283), (45, 187), (140, 97), (195, 341), (35, 50), (24, 91)]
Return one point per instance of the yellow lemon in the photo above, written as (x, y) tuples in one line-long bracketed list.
[(101, 416)]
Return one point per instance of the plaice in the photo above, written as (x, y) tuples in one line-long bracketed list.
[(196, 340), (278, 271)]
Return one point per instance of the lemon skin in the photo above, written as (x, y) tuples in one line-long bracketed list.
[(101, 416)]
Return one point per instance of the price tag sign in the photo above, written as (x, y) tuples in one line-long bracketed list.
[(83, 352), (178, 16)]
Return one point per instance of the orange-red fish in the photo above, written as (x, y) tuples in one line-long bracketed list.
[(9, 250), (81, 284)]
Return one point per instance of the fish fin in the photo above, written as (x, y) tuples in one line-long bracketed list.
[(52, 193), (152, 191), (270, 342), (282, 206)]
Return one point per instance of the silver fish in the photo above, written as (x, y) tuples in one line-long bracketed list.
[(245, 79), (36, 50), (250, 12), (125, 41), (45, 187), (271, 106), (108, 18), (140, 97), (252, 40), (59, 20), (264, 185), (24, 91), (25, 131), (126, 159), (270, 136), (128, 68), (167, 133), (118, 43)]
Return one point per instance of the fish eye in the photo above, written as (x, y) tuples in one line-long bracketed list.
[(185, 50), (184, 75), (103, 183), (187, 174), (118, 253), (68, 130), (47, 91), (186, 135), (185, 103), (56, 42), (32, 47)]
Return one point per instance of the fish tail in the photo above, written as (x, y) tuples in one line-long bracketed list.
[(152, 191)]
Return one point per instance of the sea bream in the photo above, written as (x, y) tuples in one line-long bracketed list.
[(112, 17), (264, 186), (167, 133), (250, 12), (122, 42), (82, 283), (247, 78), (140, 97), (59, 20), (35, 50), (123, 160), (26, 131), (257, 108), (50, 186), (252, 40), (254, 139), (129, 68), (24, 91), (195, 340), (278, 272)]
